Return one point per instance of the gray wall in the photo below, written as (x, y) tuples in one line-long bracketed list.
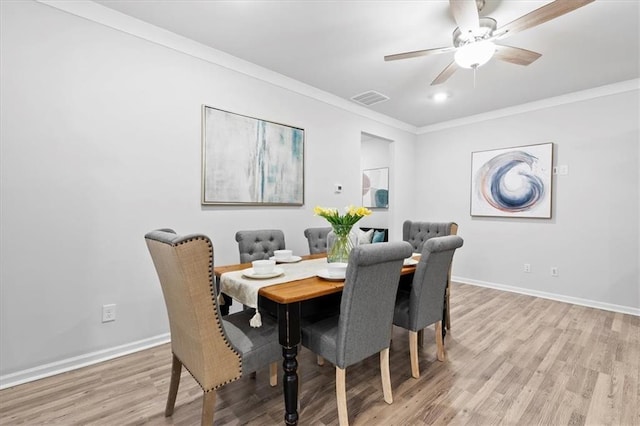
[(100, 143), (593, 236)]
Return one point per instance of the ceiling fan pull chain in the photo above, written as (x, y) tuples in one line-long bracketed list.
[(475, 69)]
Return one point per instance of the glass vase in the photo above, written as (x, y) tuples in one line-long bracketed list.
[(340, 241)]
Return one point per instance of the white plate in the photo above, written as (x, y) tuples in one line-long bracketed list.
[(410, 262), (324, 274), (292, 259), (250, 273)]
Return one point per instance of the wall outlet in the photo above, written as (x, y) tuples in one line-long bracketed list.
[(527, 267), (108, 313), (554, 271)]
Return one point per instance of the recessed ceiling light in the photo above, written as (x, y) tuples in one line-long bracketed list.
[(440, 97)]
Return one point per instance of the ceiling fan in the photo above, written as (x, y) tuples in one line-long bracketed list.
[(474, 39)]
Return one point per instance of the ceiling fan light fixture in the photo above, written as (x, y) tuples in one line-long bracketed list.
[(440, 97), (474, 55)]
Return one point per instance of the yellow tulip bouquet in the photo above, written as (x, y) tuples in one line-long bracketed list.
[(340, 244)]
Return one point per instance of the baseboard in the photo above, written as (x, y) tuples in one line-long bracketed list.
[(62, 366), (552, 296)]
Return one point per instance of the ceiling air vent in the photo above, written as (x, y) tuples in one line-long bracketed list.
[(369, 98)]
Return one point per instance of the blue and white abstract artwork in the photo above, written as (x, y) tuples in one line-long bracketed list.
[(250, 161), (512, 182)]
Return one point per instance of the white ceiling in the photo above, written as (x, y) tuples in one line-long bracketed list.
[(338, 46)]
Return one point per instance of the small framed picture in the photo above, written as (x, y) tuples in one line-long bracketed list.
[(375, 188)]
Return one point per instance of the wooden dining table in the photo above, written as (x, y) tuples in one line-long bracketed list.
[(288, 298)]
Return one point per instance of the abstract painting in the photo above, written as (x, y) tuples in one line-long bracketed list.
[(375, 188), (512, 182), (250, 161)]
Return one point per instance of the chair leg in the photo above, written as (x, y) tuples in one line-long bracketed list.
[(176, 370), (442, 355), (319, 360), (447, 294), (413, 353), (421, 338), (386, 377), (341, 396), (208, 408), (273, 374)]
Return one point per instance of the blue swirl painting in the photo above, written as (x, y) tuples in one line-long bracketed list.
[(512, 182)]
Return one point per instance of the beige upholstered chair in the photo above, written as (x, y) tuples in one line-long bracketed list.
[(215, 350), (417, 233)]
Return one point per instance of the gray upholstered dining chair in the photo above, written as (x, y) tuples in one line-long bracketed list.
[(421, 305), (215, 350), (317, 239), (417, 233), (363, 326), (259, 244)]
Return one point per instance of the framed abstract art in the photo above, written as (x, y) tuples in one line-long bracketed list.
[(512, 182), (375, 188), (249, 161)]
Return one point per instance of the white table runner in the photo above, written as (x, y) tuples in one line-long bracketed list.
[(245, 290)]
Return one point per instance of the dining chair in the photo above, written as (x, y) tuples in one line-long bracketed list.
[(215, 350), (363, 326), (317, 239), (417, 233), (259, 244), (422, 304)]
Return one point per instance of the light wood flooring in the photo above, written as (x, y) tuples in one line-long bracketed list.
[(512, 359)]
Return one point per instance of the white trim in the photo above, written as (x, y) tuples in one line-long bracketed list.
[(137, 28), (552, 296), (583, 95), (62, 366), (119, 21)]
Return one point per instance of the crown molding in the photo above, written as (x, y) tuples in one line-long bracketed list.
[(116, 20), (113, 19), (583, 95)]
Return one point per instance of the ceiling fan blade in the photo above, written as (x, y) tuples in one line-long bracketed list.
[(445, 74), (417, 53), (465, 12), (515, 55), (541, 15)]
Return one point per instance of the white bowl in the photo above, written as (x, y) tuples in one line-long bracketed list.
[(282, 254), (337, 269), (263, 266)]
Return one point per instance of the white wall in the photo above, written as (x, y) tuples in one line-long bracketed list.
[(593, 236), (100, 143)]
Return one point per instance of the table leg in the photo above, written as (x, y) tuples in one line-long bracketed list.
[(224, 309), (289, 335), (444, 316)]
